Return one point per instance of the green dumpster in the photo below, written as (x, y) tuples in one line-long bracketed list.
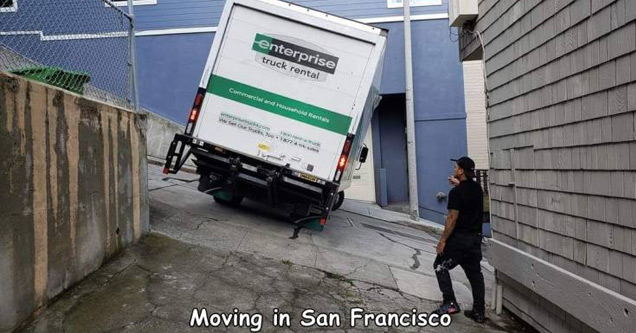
[(72, 81)]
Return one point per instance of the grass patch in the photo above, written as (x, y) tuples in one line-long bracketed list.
[(339, 277)]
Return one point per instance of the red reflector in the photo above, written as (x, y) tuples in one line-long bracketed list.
[(323, 220), (346, 147), (193, 115), (343, 162), (165, 171)]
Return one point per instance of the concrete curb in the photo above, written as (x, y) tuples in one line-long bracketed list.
[(372, 210)]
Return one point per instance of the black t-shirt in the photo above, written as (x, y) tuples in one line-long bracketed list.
[(468, 199)]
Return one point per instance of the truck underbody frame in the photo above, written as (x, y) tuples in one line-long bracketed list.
[(222, 170)]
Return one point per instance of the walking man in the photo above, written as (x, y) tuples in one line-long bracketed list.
[(461, 241)]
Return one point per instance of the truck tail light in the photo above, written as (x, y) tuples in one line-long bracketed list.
[(194, 113), (344, 158), (343, 162)]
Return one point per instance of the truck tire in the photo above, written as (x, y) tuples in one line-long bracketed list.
[(228, 199), (339, 200)]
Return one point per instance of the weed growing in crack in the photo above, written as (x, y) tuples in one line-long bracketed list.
[(339, 277)]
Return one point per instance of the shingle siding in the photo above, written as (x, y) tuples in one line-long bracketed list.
[(562, 95)]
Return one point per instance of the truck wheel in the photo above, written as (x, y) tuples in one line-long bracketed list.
[(339, 200), (228, 199)]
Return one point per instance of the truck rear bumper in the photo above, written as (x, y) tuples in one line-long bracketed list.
[(223, 170)]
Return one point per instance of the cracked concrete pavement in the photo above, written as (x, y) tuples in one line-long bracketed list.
[(204, 255)]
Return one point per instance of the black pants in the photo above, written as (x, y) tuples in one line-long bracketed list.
[(463, 250)]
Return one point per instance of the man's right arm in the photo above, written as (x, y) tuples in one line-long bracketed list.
[(451, 219), (449, 226)]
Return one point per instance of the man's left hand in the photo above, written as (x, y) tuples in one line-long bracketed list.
[(440, 247)]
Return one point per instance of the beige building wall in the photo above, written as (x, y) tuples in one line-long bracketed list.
[(476, 131), (363, 184)]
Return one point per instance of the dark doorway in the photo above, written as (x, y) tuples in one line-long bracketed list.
[(389, 125)]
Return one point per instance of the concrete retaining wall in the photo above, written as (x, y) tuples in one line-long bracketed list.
[(73, 191), (160, 132)]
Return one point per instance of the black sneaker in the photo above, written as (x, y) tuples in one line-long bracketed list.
[(447, 308), (476, 316)]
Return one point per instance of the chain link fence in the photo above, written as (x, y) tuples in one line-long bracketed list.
[(80, 45)]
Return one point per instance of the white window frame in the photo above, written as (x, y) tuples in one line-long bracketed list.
[(13, 8), (124, 3), (412, 3)]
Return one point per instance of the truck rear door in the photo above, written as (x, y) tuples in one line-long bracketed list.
[(283, 91)]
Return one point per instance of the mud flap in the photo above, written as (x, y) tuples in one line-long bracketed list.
[(310, 222), (222, 195), (227, 198), (314, 224)]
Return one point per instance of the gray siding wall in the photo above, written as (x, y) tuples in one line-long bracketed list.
[(562, 95)]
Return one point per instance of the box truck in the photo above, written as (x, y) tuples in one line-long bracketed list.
[(282, 109)]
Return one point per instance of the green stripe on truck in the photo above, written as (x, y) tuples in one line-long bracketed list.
[(280, 105)]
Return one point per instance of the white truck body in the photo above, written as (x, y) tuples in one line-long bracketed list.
[(287, 85)]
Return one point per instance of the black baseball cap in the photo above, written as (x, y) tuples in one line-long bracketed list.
[(466, 163)]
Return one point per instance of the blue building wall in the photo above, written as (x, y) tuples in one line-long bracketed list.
[(438, 90), (437, 75), (437, 142), (439, 112), (171, 14), (169, 71)]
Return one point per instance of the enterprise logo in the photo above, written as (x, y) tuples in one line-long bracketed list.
[(295, 53)]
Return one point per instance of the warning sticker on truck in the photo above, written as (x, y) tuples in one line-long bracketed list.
[(256, 128)]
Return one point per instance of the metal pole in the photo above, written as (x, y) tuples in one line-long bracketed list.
[(410, 115), (113, 6), (499, 306), (133, 59), (493, 300)]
